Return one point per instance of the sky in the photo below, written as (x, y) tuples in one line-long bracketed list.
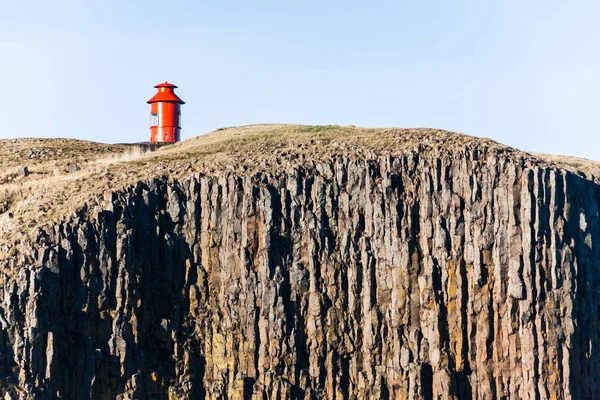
[(525, 73)]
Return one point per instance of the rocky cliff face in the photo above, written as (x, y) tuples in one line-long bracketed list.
[(463, 274)]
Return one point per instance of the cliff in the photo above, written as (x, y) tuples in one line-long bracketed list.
[(311, 263)]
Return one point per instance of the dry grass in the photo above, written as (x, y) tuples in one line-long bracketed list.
[(132, 154), (50, 192), (581, 166), (43, 156)]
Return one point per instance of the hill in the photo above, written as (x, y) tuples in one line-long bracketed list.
[(50, 191), (302, 262)]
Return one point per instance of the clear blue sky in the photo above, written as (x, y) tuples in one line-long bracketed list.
[(525, 73)]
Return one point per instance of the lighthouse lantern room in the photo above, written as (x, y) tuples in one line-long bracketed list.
[(165, 114)]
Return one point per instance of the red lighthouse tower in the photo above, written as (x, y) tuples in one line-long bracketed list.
[(165, 114)]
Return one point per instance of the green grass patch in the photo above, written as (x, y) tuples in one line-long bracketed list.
[(319, 130)]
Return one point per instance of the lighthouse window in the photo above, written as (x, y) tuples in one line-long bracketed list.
[(179, 120), (154, 120)]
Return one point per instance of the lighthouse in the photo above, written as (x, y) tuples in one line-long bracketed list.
[(165, 114)]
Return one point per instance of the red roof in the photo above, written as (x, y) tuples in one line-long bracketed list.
[(166, 85), (165, 94)]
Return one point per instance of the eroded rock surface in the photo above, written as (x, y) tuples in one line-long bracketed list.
[(464, 274)]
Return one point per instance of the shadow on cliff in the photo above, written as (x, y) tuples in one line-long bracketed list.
[(583, 198), (115, 317), (280, 257)]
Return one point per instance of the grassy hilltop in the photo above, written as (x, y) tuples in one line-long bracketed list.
[(52, 189)]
